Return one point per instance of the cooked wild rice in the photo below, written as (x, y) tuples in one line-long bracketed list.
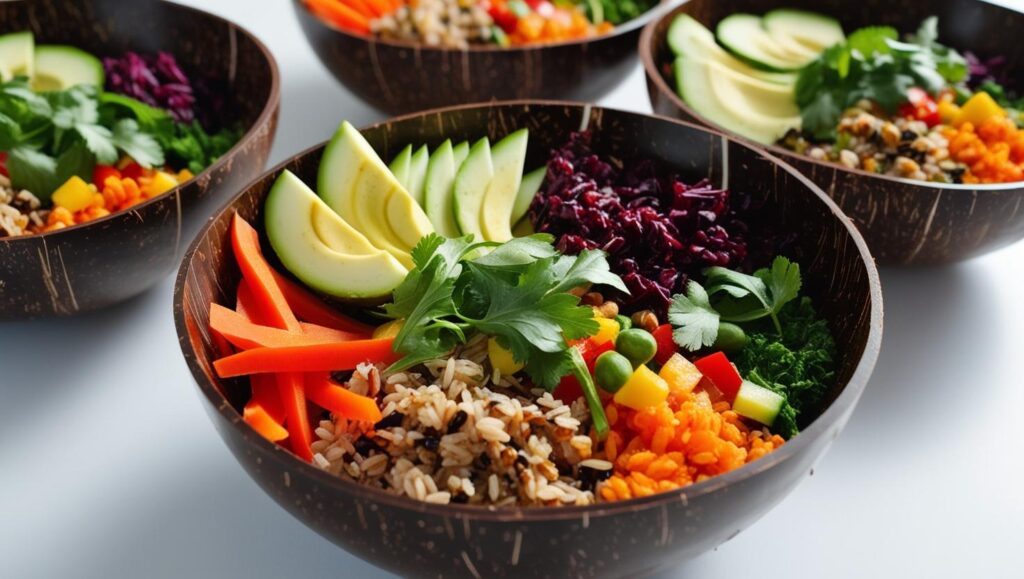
[(450, 434)]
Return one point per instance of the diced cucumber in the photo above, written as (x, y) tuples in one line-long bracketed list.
[(758, 403)]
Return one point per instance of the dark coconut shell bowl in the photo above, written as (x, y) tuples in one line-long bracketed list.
[(620, 539), (401, 77), (103, 262), (905, 222)]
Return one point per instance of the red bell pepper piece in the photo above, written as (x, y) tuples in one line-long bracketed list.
[(719, 370), (132, 171), (569, 389), (666, 346), (3, 164), (101, 173), (921, 106)]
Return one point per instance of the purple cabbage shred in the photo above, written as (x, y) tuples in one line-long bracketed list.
[(657, 230), (156, 80)]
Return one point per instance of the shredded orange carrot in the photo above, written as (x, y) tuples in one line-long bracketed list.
[(993, 152)]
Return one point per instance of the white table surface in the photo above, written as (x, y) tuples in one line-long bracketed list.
[(109, 466)]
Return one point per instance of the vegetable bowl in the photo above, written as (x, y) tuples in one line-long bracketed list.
[(123, 128), (909, 122), (524, 433), (399, 67)]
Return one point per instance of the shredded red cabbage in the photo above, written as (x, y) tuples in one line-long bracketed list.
[(155, 80), (657, 231)]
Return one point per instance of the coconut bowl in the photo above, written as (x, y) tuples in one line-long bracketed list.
[(905, 222), (624, 539), (103, 262), (402, 77)]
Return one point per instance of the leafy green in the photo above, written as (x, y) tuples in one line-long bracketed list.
[(799, 363), (873, 64), (615, 11), (192, 147), (745, 298), (696, 322), (516, 292)]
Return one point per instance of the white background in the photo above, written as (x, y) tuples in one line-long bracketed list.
[(109, 466)]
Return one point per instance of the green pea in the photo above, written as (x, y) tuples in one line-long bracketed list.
[(731, 338), (637, 345), (611, 371), (624, 322)]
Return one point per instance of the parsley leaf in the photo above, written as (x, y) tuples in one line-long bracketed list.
[(739, 297), (589, 267), (138, 145), (696, 322)]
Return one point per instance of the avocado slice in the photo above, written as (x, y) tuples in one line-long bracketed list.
[(17, 55), (59, 67), (356, 184), (471, 183), (400, 165), (508, 157), (527, 191), (744, 36), (321, 249), (812, 30), (460, 152), (688, 37), (437, 191), (417, 173)]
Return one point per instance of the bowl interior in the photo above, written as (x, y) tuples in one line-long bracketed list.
[(838, 271)]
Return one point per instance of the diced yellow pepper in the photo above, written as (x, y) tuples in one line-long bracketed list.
[(948, 111), (389, 330), (502, 359), (159, 184), (644, 389), (978, 109), (680, 374), (74, 195), (609, 330), (184, 175)]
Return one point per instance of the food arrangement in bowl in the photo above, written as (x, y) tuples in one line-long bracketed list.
[(122, 127), (481, 365), (519, 370), (900, 105), (461, 23), (84, 137)]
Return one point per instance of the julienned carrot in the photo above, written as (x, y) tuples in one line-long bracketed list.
[(310, 308), (258, 418), (244, 305), (266, 394), (380, 7), (315, 358), (341, 401), (326, 334), (246, 335), (268, 299), (362, 7), (341, 15), (271, 308)]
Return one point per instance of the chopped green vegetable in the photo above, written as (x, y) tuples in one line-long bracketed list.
[(696, 322), (611, 371), (517, 293), (637, 345)]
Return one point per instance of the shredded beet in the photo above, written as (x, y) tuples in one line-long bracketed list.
[(155, 80), (657, 230)]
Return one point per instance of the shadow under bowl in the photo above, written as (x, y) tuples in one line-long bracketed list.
[(401, 77), (618, 539), (905, 222), (106, 261)]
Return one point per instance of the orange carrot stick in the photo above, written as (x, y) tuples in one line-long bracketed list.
[(271, 308), (339, 14), (330, 334), (341, 401), (261, 421), (310, 308), (247, 335), (266, 395), (316, 358), (379, 7)]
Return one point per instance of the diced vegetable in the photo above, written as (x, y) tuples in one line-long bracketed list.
[(624, 322), (643, 389), (314, 358), (389, 330), (607, 333), (611, 371), (680, 374), (978, 109), (258, 418), (721, 372), (666, 346), (637, 345), (758, 403), (74, 195), (502, 359)]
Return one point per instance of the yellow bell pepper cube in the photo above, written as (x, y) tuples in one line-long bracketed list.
[(948, 111), (389, 330), (74, 195), (609, 330), (502, 359), (644, 389), (680, 374), (978, 109), (159, 184)]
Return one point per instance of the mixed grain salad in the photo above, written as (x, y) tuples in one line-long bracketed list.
[(461, 23), (528, 347), (900, 105), (81, 137)]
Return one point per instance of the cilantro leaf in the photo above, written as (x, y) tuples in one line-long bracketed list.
[(518, 252), (138, 145), (589, 267), (782, 280), (696, 322)]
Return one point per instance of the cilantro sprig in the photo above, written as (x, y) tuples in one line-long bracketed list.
[(516, 292), (874, 64), (732, 296)]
